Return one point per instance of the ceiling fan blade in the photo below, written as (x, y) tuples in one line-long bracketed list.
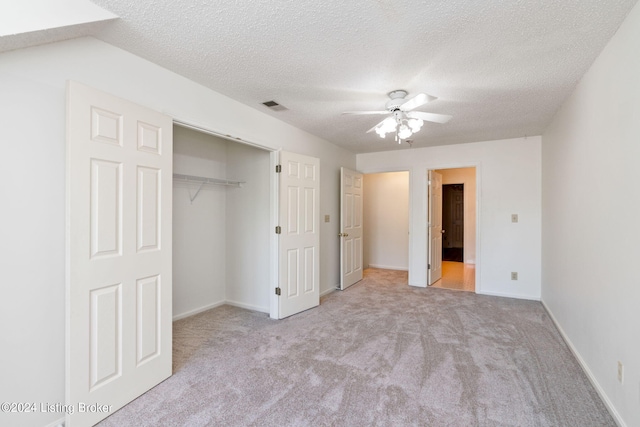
[(374, 128), (416, 101), (360, 113), (429, 117)]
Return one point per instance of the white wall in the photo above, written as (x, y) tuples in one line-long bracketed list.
[(591, 206), (199, 228), (386, 220), (248, 228), (32, 244), (34, 15), (466, 176), (32, 180), (508, 180)]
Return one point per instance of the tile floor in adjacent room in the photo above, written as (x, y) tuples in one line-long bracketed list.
[(458, 276)]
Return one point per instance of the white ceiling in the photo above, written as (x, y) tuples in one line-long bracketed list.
[(501, 68)]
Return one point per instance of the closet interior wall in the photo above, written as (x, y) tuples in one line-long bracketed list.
[(221, 237)]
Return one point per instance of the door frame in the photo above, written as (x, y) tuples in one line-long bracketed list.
[(478, 168)]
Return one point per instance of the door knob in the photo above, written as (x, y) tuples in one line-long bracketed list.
[(442, 231)]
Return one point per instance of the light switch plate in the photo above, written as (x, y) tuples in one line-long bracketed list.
[(514, 217)]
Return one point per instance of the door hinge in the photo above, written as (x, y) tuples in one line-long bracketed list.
[(428, 266), (278, 229), (278, 168), (278, 292)]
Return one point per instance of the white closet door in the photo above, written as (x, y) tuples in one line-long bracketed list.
[(119, 209), (299, 241), (351, 191)]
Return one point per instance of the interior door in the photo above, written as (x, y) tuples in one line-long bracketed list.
[(351, 186), (435, 227), (119, 213), (299, 240), (457, 216)]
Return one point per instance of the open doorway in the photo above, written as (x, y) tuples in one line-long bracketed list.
[(386, 220), (227, 247), (221, 223), (458, 213)]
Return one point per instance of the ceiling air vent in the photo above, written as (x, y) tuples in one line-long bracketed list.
[(274, 106)]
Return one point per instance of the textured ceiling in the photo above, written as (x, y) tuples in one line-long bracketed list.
[(500, 68)]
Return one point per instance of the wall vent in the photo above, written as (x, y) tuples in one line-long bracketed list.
[(273, 105)]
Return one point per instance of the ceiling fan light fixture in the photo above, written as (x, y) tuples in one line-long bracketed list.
[(402, 121), (415, 124), (389, 124), (404, 132), (381, 132)]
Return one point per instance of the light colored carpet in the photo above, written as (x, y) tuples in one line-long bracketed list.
[(380, 353)]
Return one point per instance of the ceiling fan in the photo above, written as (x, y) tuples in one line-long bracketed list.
[(402, 120)]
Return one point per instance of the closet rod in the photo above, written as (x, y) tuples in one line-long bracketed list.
[(205, 180)]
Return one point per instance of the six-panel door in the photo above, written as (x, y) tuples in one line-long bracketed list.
[(119, 209)]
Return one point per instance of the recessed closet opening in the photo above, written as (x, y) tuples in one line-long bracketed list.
[(221, 223)]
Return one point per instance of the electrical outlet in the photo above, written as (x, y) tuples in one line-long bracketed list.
[(326, 218), (514, 275), (620, 372)]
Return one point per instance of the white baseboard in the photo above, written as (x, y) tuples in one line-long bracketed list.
[(235, 304), (507, 295), (418, 284), (248, 306), (388, 267), (198, 310), (612, 410), (57, 423)]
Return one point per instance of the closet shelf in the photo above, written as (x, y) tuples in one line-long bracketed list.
[(205, 180), (202, 180)]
